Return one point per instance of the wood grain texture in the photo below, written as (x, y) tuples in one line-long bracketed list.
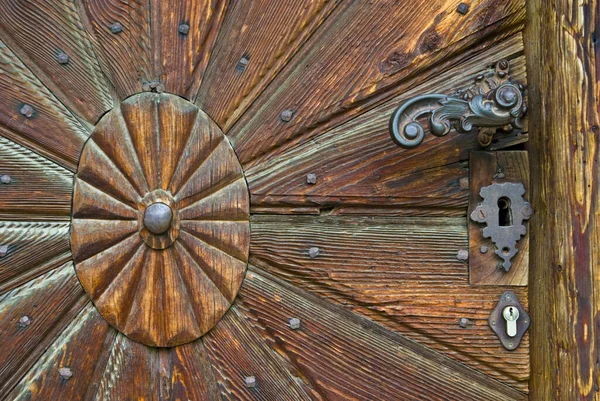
[(126, 57), (400, 272), (237, 350), (38, 31), (51, 302), (359, 168), (78, 349), (385, 365), (359, 57), (160, 288), (231, 85), (183, 58), (186, 374), (32, 249), (562, 50), (48, 186), (52, 130), (486, 268)]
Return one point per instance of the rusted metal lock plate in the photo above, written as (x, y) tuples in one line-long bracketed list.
[(509, 320), (498, 244)]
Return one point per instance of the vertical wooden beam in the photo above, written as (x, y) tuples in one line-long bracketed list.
[(565, 237)]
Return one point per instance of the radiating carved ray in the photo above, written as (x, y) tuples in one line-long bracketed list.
[(77, 348), (50, 302), (237, 349), (88, 237), (216, 300), (229, 203), (93, 202), (115, 141), (98, 272), (125, 57), (203, 140), (222, 269), (97, 168), (116, 301), (233, 236), (176, 120), (32, 249), (218, 170), (146, 322), (38, 31), (178, 300), (183, 58), (52, 130), (230, 85), (48, 186), (141, 117)]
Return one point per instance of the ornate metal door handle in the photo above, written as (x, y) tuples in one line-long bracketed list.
[(494, 101)]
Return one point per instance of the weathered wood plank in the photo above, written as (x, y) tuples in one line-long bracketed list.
[(238, 350), (385, 365), (183, 57), (77, 348), (31, 116), (31, 249), (40, 33), (126, 55), (50, 302), (564, 65), (250, 52), (357, 165), (185, 373), (400, 272), (129, 374), (486, 268), (48, 186), (364, 53)]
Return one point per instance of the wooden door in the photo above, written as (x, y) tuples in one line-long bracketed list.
[(201, 200)]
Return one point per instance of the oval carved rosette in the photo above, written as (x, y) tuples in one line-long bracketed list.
[(160, 232)]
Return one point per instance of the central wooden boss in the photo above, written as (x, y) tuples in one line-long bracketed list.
[(160, 231)]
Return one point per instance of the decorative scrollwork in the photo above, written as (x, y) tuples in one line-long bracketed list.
[(492, 102)]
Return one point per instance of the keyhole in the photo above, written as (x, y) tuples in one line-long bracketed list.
[(511, 312), (505, 212)]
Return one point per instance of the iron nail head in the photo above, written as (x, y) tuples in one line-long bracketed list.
[(27, 110), (65, 373), (462, 8), (5, 179), (483, 249), (184, 29), (250, 381), (116, 28), (24, 321), (294, 323), (463, 322), (314, 252), (3, 250), (62, 57), (462, 255), (311, 178), (286, 115)]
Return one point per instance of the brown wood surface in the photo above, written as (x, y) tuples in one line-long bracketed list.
[(51, 302), (51, 130), (158, 296), (48, 186), (78, 349), (565, 255), (231, 85), (38, 31), (345, 357), (358, 167), (348, 67), (32, 248), (402, 273), (486, 268)]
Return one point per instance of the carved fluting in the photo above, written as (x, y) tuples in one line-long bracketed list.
[(160, 230), (493, 102)]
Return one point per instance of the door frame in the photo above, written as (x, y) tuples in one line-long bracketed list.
[(564, 283)]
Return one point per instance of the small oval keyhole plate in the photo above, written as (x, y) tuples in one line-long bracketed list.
[(509, 320)]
